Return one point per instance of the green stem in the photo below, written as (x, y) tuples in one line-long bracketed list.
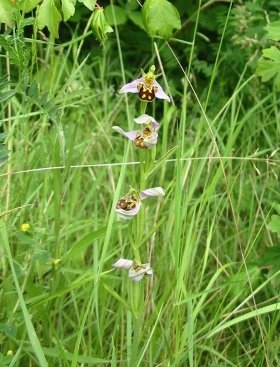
[(143, 107)]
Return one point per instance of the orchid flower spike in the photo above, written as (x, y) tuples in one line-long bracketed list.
[(145, 138), (136, 271), (146, 87), (129, 205)]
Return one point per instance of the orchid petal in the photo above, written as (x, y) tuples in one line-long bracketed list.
[(160, 93), (149, 270), (131, 135), (155, 191), (123, 264), (131, 87), (151, 141), (136, 276), (143, 119), (128, 214)]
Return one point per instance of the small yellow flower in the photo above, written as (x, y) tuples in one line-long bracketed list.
[(25, 227), (10, 353), (55, 261)]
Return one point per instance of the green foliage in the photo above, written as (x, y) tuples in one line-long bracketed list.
[(27, 5), (68, 8), (8, 329), (120, 14), (271, 258), (202, 239), (5, 361), (49, 12), (5, 94), (274, 224), (270, 67), (100, 26), (273, 30), (7, 10), (90, 4), (272, 254), (48, 15), (128, 11), (160, 18)]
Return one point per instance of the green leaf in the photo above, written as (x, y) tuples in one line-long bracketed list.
[(119, 298), (27, 5), (33, 337), (273, 30), (6, 95), (68, 8), (8, 329), (3, 149), (160, 18), (270, 258), (81, 246), (7, 9), (162, 160), (277, 208), (274, 224), (120, 15), (270, 68), (136, 18), (90, 4), (239, 282), (49, 16)]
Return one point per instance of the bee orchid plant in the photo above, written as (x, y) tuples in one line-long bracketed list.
[(146, 137)]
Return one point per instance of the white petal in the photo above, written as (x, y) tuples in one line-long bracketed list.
[(132, 86), (128, 214), (143, 119), (123, 264), (136, 276), (154, 191), (131, 135), (151, 140), (148, 269), (160, 93)]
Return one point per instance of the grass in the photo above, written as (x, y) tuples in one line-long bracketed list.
[(208, 303)]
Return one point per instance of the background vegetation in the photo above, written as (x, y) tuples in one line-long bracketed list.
[(213, 300)]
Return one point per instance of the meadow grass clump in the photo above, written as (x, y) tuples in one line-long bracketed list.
[(193, 175)]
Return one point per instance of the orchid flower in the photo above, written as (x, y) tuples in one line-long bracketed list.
[(145, 138), (136, 271), (146, 87), (129, 205)]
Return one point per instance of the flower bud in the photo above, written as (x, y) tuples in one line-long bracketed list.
[(100, 26)]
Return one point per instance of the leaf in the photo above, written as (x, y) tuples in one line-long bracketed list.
[(273, 30), (7, 9), (274, 224), (277, 208), (49, 16), (81, 246), (90, 4), (119, 298), (120, 15), (27, 5), (270, 258), (6, 95), (137, 19), (162, 160), (239, 282), (3, 149), (270, 68), (8, 329), (68, 8), (160, 18)]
